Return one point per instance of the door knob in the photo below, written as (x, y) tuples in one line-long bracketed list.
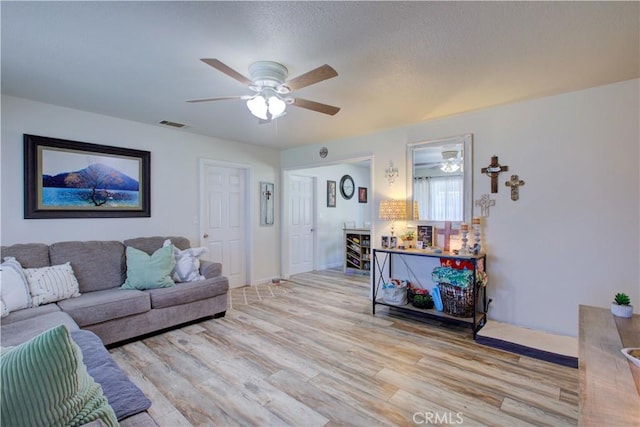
[(206, 236)]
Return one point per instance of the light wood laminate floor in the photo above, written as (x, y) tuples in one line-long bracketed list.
[(315, 356)]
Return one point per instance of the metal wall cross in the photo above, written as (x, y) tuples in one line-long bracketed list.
[(515, 182), (485, 203), (493, 170)]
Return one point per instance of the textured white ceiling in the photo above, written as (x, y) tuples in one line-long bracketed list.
[(398, 62)]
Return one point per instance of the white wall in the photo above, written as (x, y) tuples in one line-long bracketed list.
[(175, 156), (573, 237), (330, 221)]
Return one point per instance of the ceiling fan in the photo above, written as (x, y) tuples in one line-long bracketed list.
[(450, 162), (272, 89)]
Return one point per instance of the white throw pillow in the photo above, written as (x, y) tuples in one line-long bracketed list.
[(51, 284), (187, 268), (14, 288)]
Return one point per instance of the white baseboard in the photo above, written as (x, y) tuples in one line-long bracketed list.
[(265, 281), (329, 266)]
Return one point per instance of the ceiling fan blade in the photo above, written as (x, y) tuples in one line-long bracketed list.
[(314, 76), (217, 99), (227, 70), (316, 106)]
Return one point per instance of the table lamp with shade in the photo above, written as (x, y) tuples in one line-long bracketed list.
[(395, 210)]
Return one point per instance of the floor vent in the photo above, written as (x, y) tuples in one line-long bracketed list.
[(172, 124)]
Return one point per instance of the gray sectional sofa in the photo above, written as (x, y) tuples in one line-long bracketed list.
[(113, 314)]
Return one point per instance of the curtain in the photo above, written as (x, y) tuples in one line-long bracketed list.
[(439, 198)]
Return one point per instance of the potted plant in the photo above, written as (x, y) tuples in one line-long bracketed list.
[(621, 306), (421, 298), (408, 236)]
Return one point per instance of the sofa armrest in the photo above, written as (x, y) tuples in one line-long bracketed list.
[(210, 269)]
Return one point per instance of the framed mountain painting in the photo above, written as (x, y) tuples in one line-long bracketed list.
[(70, 179)]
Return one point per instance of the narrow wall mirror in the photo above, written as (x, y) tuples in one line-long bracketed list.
[(441, 178)]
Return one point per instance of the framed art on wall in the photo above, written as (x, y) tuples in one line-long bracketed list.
[(362, 194), (266, 203), (331, 194), (70, 179)]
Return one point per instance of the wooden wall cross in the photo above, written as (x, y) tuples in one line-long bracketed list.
[(493, 170), (447, 232), (515, 184)]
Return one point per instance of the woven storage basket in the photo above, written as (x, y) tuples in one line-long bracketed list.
[(456, 301)]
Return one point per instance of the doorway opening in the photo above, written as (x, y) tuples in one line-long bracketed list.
[(328, 213)]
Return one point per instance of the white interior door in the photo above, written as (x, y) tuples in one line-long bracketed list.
[(301, 223), (224, 220)]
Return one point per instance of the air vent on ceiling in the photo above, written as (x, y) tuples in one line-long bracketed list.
[(172, 124)]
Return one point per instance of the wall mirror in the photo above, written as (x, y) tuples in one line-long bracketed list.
[(441, 178)]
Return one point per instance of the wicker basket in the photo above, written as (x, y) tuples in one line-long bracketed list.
[(456, 301)]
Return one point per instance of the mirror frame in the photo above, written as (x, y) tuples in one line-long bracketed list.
[(467, 163)]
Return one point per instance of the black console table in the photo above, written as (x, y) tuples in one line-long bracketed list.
[(383, 260)]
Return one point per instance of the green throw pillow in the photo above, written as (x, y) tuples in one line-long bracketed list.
[(146, 271), (45, 382)]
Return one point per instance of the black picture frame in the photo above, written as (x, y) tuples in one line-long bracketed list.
[(426, 235), (72, 179), (362, 194), (331, 194)]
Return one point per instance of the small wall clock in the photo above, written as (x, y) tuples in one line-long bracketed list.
[(347, 187)]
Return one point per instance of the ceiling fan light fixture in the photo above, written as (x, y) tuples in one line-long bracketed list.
[(449, 167), (258, 107), (266, 106), (276, 106), (450, 162)]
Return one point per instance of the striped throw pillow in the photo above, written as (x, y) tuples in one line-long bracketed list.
[(45, 383), (51, 284)]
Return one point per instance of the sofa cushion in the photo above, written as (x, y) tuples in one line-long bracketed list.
[(125, 397), (14, 287), (108, 304), (27, 313), (44, 382), (29, 255), (146, 271), (97, 265), (152, 244), (23, 330), (51, 284), (185, 293)]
